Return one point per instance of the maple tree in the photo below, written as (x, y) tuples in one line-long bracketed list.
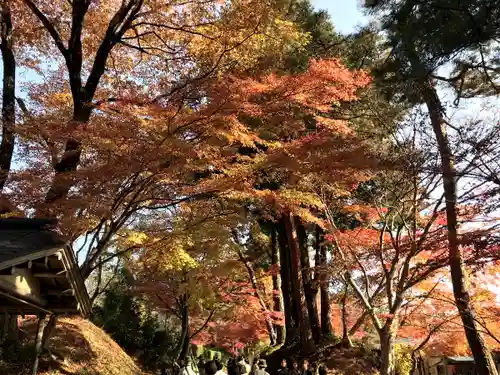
[(134, 38), (201, 278), (392, 247), (284, 91), (413, 72), (236, 158), (79, 132)]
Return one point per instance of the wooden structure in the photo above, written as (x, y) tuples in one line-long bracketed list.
[(448, 366), (39, 274)]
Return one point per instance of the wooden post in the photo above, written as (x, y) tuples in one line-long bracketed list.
[(49, 328), (38, 342)]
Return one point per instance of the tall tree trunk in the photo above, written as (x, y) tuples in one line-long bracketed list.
[(387, 361), (286, 289), (8, 93), (183, 345), (482, 355), (310, 290), (277, 296), (296, 278), (253, 280), (326, 320), (346, 339)]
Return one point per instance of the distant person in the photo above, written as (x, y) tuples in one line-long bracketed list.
[(322, 370), (243, 366), (305, 368), (210, 368), (283, 370), (255, 366), (219, 365), (261, 367), (230, 366), (201, 365), (295, 368)]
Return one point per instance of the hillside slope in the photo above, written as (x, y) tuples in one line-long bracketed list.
[(78, 347)]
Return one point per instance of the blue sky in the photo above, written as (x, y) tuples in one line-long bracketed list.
[(345, 14)]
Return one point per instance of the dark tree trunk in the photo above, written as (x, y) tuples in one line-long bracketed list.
[(183, 345), (482, 355), (8, 94), (326, 320), (346, 339), (290, 319), (310, 289), (277, 297), (296, 278), (387, 338)]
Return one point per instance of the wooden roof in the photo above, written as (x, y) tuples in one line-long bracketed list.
[(38, 271)]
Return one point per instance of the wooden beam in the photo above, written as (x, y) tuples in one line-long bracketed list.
[(26, 258), (23, 303), (38, 342), (76, 281)]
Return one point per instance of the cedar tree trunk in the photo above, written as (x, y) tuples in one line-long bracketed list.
[(290, 319), (277, 297), (326, 321), (296, 277), (8, 94), (482, 355), (310, 290)]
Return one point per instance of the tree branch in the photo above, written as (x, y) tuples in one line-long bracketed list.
[(50, 28), (204, 325)]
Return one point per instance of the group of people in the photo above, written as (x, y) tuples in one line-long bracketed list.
[(235, 366), (294, 369), (239, 366)]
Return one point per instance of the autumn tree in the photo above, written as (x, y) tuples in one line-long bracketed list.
[(8, 93), (203, 277), (416, 57), (129, 32), (248, 252), (79, 129), (394, 244)]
